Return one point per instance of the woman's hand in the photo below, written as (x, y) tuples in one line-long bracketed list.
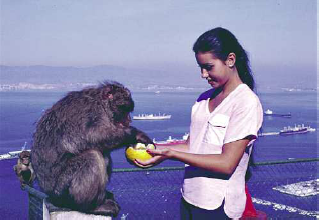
[(159, 155)]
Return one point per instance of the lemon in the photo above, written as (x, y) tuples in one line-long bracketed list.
[(139, 152), (151, 146)]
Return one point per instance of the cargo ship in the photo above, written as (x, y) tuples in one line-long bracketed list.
[(172, 141), (151, 117), (298, 129), (268, 112)]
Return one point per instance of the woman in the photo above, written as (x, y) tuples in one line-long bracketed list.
[(224, 124)]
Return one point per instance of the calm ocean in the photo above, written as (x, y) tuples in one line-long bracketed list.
[(19, 112)]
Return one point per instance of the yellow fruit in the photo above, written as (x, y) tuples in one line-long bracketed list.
[(150, 146), (139, 152)]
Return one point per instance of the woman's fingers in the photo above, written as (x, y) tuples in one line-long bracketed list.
[(153, 151), (138, 163), (150, 162), (160, 152), (158, 156)]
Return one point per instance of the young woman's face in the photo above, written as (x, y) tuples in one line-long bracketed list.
[(214, 70)]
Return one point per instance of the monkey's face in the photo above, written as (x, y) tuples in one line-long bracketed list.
[(25, 157), (126, 121), (122, 115), (121, 105)]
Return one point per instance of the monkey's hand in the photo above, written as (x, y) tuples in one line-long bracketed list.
[(141, 137), (134, 136), (15, 169)]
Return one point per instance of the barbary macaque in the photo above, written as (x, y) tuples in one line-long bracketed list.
[(72, 145), (24, 170)]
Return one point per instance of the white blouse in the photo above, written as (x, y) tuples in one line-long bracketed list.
[(239, 115)]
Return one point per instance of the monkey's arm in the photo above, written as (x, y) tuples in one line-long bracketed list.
[(134, 135), (141, 137), (15, 169), (19, 167), (116, 136)]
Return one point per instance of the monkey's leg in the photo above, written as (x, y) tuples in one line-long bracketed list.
[(109, 207), (86, 192)]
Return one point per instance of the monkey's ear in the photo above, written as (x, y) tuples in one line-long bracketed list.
[(110, 96), (107, 92), (107, 96)]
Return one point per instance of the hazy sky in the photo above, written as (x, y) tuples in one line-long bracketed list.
[(152, 34)]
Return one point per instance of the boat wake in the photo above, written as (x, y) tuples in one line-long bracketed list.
[(305, 188), (13, 154), (269, 133), (278, 206)]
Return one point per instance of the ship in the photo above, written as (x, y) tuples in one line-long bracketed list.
[(13, 154), (172, 141), (268, 112), (151, 117), (298, 129)]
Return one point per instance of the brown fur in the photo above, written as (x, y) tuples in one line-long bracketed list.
[(72, 144), (24, 170)]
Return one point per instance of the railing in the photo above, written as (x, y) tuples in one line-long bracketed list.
[(155, 193)]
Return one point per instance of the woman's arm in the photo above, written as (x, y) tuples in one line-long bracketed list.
[(225, 163), (183, 147)]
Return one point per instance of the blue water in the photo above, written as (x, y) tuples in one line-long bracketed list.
[(19, 112)]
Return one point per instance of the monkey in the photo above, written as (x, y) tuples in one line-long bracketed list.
[(72, 144), (24, 170)]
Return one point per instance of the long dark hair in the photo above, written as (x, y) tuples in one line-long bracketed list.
[(221, 42)]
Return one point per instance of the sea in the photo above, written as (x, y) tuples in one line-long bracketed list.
[(20, 110)]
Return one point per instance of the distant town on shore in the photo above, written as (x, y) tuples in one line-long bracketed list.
[(68, 78), (22, 86)]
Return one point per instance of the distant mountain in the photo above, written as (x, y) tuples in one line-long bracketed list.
[(68, 74), (283, 76), (174, 76)]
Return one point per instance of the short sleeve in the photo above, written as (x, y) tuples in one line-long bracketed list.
[(245, 121)]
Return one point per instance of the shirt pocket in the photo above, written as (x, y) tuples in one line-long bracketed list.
[(216, 129)]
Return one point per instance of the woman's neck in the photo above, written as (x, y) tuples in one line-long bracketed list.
[(231, 84)]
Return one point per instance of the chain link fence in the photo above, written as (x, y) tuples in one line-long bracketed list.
[(282, 189)]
